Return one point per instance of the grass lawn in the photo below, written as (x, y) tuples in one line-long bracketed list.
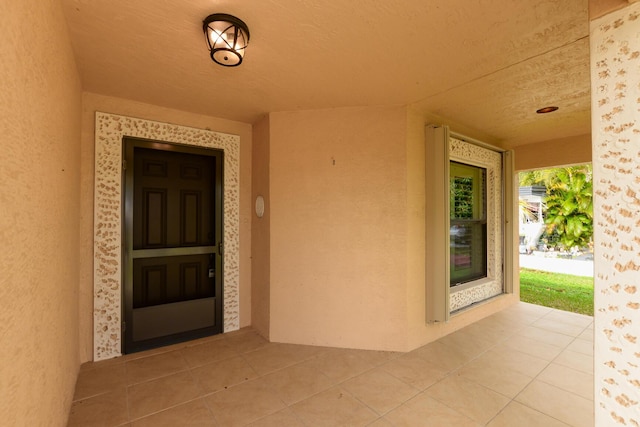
[(561, 291)]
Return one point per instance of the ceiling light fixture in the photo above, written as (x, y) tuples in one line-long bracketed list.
[(546, 110), (227, 38)]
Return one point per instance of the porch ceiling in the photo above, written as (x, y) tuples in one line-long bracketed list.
[(483, 65)]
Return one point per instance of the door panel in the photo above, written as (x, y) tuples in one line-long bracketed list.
[(175, 199), (173, 227), (154, 217), (162, 280)]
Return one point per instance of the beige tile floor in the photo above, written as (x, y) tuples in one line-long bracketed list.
[(525, 366)]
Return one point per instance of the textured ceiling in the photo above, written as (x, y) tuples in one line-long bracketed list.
[(483, 64)]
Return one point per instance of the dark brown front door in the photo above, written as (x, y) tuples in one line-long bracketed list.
[(173, 240)]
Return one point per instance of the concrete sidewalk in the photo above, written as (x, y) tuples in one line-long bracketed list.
[(576, 267)]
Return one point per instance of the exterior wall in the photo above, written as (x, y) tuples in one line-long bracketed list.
[(348, 236), (260, 229), (338, 206), (555, 153), (615, 81), (40, 108), (93, 103)]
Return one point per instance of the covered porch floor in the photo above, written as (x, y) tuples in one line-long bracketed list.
[(525, 366)]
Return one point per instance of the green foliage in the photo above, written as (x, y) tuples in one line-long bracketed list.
[(561, 291), (462, 197), (535, 177), (569, 202)]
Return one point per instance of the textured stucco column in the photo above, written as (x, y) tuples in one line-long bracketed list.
[(615, 84)]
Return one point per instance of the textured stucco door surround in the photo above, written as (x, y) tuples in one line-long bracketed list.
[(110, 128)]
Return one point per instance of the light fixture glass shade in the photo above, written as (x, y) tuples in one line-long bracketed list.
[(227, 38)]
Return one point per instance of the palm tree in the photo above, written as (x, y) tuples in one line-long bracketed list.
[(569, 202), (570, 205)]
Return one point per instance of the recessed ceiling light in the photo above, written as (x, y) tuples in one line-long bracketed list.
[(546, 110)]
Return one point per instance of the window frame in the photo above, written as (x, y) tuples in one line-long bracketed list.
[(477, 270)]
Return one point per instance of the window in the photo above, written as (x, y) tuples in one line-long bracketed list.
[(469, 235), (468, 223)]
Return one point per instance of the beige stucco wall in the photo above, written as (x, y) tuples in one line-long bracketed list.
[(555, 153), (94, 102), (338, 227), (260, 229), (40, 102), (615, 88), (348, 235)]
